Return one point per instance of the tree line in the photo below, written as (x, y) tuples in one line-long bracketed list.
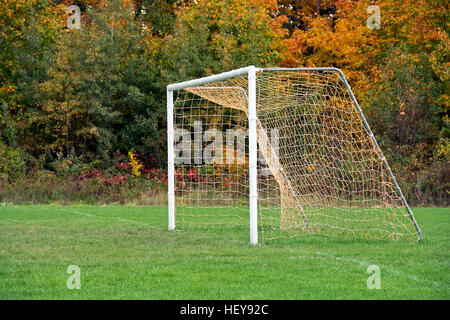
[(78, 97)]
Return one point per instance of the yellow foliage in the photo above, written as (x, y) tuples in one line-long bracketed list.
[(134, 163)]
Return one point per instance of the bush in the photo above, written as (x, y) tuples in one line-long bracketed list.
[(12, 163)]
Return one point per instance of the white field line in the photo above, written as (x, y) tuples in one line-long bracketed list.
[(79, 212), (382, 266)]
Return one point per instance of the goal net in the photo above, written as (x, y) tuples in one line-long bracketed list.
[(317, 167)]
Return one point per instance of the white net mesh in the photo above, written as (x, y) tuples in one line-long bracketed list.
[(318, 168)]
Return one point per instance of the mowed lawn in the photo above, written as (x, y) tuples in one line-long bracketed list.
[(127, 253)]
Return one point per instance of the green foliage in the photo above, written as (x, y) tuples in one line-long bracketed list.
[(158, 15), (98, 82), (68, 165), (404, 108), (406, 111), (7, 126), (215, 36), (12, 164)]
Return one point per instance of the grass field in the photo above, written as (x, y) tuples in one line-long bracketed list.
[(127, 253)]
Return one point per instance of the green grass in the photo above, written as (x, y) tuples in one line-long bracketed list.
[(126, 253)]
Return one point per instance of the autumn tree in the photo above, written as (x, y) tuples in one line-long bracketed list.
[(27, 34), (215, 36), (97, 95)]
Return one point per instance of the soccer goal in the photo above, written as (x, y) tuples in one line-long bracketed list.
[(278, 153)]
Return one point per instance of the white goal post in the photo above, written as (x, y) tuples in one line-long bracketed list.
[(324, 173)]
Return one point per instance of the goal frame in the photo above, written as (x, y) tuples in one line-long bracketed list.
[(251, 72)]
